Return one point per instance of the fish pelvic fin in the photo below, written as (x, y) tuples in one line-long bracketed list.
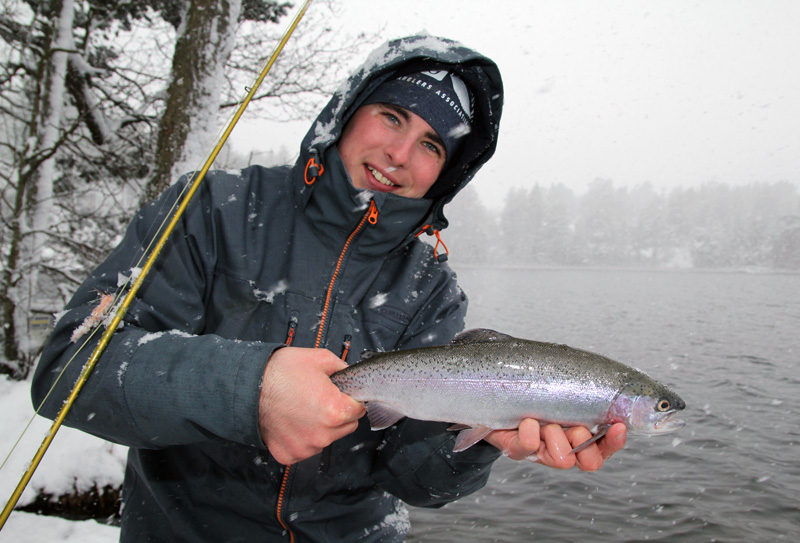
[(381, 415), (601, 431), (468, 436), (479, 335)]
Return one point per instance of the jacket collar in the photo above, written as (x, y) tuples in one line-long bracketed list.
[(334, 208)]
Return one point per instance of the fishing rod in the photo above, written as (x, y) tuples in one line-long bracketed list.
[(162, 240)]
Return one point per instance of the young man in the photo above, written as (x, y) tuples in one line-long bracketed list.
[(219, 379)]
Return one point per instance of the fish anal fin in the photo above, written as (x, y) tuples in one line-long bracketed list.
[(468, 436), (601, 431), (479, 335), (381, 415)]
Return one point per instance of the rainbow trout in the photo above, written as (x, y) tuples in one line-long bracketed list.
[(485, 380)]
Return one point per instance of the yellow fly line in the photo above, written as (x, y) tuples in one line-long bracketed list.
[(162, 240)]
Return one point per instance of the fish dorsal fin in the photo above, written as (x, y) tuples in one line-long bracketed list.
[(479, 335)]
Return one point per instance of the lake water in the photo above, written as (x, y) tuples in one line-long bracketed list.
[(728, 343)]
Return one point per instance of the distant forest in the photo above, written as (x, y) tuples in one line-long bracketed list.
[(713, 226)]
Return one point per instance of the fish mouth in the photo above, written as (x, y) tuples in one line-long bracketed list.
[(668, 424)]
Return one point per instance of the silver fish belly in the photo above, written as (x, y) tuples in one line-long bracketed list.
[(485, 380)]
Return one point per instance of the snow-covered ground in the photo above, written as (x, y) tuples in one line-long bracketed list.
[(29, 528), (74, 461)]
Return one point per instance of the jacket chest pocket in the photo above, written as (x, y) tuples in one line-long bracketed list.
[(384, 325)]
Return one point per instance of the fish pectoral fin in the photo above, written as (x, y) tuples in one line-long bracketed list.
[(601, 431), (468, 436), (381, 415)]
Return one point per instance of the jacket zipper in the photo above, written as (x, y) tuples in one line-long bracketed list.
[(371, 217), (285, 481)]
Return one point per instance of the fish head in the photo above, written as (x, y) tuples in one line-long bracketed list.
[(647, 408)]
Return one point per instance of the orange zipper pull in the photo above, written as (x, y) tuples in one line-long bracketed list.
[(372, 213)]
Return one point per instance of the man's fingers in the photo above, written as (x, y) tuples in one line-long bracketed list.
[(528, 436), (589, 459), (343, 430), (592, 458), (557, 448), (291, 453), (352, 410), (613, 441), (331, 363)]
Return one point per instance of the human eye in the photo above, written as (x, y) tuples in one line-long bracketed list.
[(391, 117), (433, 147)]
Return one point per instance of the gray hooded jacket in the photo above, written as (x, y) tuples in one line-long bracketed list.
[(263, 258)]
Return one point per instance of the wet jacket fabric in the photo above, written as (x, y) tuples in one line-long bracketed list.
[(262, 258)]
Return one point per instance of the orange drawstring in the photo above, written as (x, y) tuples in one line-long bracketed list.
[(316, 171), (431, 231), (346, 346), (291, 332)]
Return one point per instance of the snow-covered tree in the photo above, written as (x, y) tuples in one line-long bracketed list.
[(87, 105)]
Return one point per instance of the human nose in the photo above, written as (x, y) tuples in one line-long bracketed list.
[(398, 151)]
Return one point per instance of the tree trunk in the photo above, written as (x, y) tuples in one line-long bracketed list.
[(33, 203), (189, 123)]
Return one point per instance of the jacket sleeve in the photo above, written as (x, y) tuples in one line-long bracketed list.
[(159, 382), (417, 463)]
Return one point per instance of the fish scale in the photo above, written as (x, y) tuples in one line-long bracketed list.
[(485, 380)]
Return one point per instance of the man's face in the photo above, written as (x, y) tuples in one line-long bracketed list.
[(387, 148)]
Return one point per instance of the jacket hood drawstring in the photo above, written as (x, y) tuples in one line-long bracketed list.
[(431, 231), (315, 170)]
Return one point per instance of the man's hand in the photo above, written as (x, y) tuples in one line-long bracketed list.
[(551, 444), (300, 410)]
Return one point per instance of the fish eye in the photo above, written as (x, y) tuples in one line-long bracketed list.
[(663, 405)]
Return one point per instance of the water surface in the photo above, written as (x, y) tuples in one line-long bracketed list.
[(727, 343)]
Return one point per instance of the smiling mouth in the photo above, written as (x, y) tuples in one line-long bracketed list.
[(379, 176)]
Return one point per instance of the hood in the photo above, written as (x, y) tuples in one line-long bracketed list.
[(479, 73)]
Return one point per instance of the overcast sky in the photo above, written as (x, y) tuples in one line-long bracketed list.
[(672, 92)]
